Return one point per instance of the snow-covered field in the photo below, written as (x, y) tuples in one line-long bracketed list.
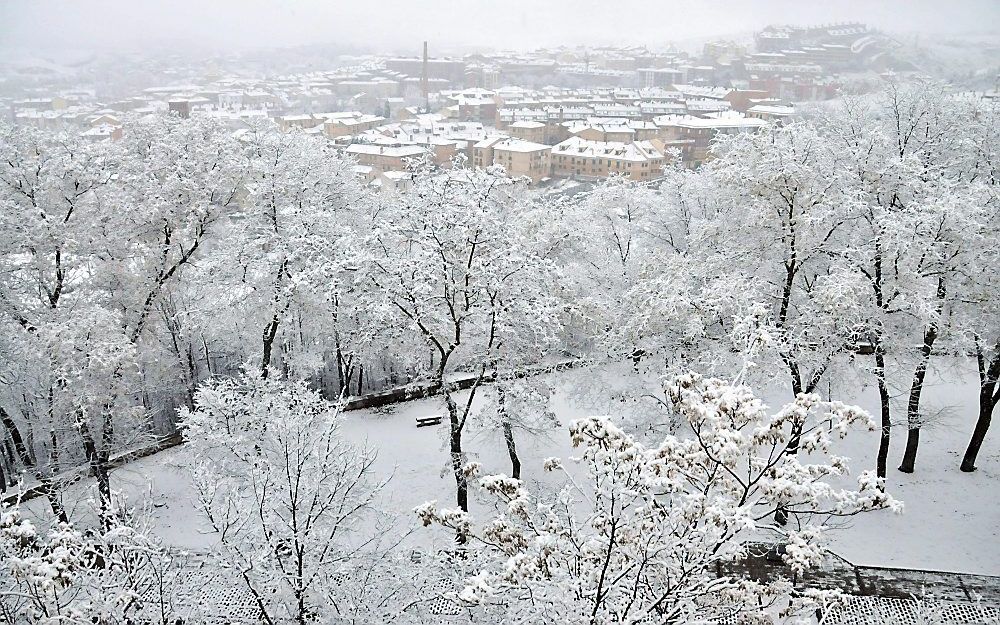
[(951, 520)]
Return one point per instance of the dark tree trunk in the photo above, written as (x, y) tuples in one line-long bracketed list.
[(508, 436), (343, 384), (989, 397), (792, 448), (916, 389), (885, 433), (910, 453), (98, 468), (515, 462), (9, 466), (886, 424), (48, 484), (18, 440), (192, 367), (455, 449), (8, 451), (208, 356), (986, 407), (52, 496), (268, 344)]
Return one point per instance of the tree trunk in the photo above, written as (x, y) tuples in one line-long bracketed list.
[(268, 344), (342, 381), (15, 436), (882, 460), (8, 451), (508, 436), (47, 483), (916, 389), (792, 448), (10, 467), (886, 424), (515, 462), (192, 367), (208, 356), (98, 468), (910, 453), (48, 488), (455, 448), (986, 406), (989, 397)]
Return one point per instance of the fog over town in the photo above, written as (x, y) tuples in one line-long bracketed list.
[(396, 26), (571, 312)]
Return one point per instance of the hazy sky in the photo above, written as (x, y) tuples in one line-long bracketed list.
[(46, 25)]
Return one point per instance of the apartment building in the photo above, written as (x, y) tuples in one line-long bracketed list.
[(382, 158), (302, 122), (528, 131), (639, 160), (102, 132), (771, 112), (523, 158), (612, 129), (694, 135), (349, 123), (517, 156)]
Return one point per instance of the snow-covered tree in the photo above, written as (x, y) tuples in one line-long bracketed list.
[(95, 238), (289, 499), (621, 235), (48, 197), (978, 306), (773, 216), (63, 576), (278, 266), (639, 534), (452, 261)]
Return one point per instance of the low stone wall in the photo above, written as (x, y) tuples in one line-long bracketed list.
[(419, 390), (396, 395), (159, 444)]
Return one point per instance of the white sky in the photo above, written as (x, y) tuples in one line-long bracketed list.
[(44, 25)]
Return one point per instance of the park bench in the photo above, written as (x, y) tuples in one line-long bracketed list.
[(434, 419)]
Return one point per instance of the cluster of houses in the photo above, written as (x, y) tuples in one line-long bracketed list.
[(552, 113), (550, 133)]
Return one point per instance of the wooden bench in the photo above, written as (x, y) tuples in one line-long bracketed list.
[(434, 419)]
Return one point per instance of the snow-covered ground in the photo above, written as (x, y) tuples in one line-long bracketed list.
[(951, 520)]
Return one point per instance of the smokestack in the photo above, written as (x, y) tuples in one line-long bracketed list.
[(423, 83)]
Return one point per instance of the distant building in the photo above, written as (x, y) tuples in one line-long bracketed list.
[(348, 123), (384, 158), (180, 107), (448, 69), (523, 158), (528, 131), (302, 122), (640, 160), (775, 113), (102, 132), (694, 135)]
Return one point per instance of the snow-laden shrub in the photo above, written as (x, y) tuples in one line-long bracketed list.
[(646, 534)]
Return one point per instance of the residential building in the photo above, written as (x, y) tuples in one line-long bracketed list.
[(529, 131), (382, 158), (349, 123), (694, 135), (639, 160), (523, 158)]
